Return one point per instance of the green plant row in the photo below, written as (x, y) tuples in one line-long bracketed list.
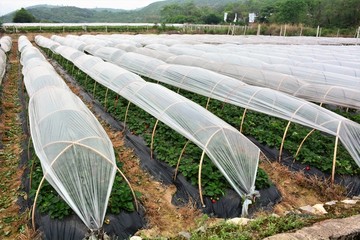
[(49, 201), (317, 150)]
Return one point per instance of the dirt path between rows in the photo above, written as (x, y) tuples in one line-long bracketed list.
[(13, 224), (164, 219)]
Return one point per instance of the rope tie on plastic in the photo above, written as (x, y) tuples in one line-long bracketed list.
[(96, 234), (249, 198)]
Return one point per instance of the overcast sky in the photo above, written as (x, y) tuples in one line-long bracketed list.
[(7, 6)]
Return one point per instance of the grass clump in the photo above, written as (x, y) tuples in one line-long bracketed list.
[(256, 229)]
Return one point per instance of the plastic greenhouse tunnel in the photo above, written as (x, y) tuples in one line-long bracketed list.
[(6, 43), (321, 93), (316, 64), (339, 59), (331, 88), (314, 92), (308, 74), (3, 60), (233, 91), (5, 47), (76, 155), (232, 153)]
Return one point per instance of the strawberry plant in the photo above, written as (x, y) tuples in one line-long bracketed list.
[(49, 201)]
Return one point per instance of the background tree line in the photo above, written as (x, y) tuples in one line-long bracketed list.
[(23, 16), (326, 13)]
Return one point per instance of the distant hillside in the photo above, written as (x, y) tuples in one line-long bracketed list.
[(151, 13)]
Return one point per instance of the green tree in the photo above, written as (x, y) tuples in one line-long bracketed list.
[(212, 18), (23, 16), (182, 13), (326, 13), (348, 13), (266, 13), (292, 11)]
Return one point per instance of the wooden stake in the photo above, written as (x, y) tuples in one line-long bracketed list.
[(302, 142), (178, 163), (207, 103), (106, 93), (283, 140), (94, 88), (152, 138), (199, 178), (335, 153), (242, 120), (126, 113)]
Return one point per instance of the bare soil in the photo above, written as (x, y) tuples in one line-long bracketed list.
[(298, 190), (13, 224)]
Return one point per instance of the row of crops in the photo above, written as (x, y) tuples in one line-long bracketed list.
[(327, 87), (324, 81), (232, 153), (87, 27)]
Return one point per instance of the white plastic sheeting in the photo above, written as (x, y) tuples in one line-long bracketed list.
[(171, 39), (6, 43), (88, 39), (233, 154), (233, 91), (23, 42), (323, 58), (307, 74), (317, 57), (341, 88), (5, 47), (299, 87), (3, 59), (76, 155), (40, 74), (231, 49), (79, 45), (321, 93)]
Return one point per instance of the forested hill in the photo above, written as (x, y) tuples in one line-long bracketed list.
[(324, 13), (151, 13)]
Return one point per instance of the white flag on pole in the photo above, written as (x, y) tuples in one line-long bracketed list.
[(252, 17)]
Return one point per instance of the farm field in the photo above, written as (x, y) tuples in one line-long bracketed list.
[(288, 115)]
